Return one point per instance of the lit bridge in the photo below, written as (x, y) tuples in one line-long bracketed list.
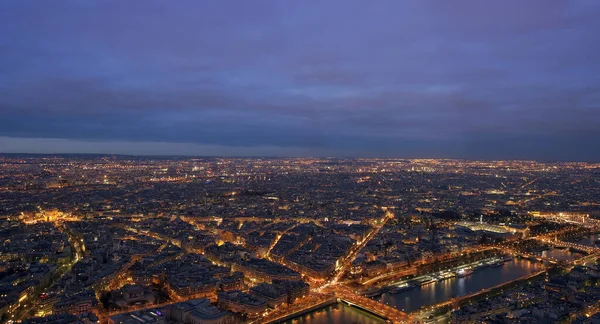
[(576, 246), (341, 295), (369, 305), (537, 257)]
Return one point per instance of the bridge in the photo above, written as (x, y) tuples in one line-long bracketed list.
[(305, 305), (381, 310), (374, 307), (535, 257), (343, 295), (576, 246), (553, 239), (574, 218)]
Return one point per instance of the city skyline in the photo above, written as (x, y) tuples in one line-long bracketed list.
[(501, 80)]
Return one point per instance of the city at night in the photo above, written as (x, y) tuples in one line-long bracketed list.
[(299, 162)]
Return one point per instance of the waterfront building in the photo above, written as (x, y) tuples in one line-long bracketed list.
[(241, 302)]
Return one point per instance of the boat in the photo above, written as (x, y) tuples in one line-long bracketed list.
[(481, 266), (497, 264), (447, 275), (463, 273), (400, 289), (427, 282)]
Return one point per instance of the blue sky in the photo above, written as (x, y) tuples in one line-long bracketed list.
[(471, 79)]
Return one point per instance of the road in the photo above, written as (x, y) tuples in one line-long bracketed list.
[(349, 259)]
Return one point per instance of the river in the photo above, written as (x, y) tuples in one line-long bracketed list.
[(441, 291), (590, 241)]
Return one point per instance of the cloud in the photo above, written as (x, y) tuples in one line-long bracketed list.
[(408, 77), (60, 146)]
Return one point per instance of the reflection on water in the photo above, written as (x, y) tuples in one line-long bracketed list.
[(444, 290), (561, 254), (338, 313)]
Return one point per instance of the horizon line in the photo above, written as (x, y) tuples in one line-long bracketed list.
[(293, 157)]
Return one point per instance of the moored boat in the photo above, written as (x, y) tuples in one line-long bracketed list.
[(497, 264), (463, 273), (400, 289), (426, 282)]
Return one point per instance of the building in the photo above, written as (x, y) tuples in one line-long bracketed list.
[(235, 281), (241, 302), (132, 295), (86, 318), (271, 294), (484, 228), (181, 288), (199, 311), (150, 316), (77, 304), (294, 288), (262, 270)]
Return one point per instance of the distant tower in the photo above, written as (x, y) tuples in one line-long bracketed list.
[(481, 219)]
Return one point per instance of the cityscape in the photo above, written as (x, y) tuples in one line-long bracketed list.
[(124, 239), (299, 162)]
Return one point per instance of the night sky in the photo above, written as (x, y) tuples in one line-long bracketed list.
[(468, 79)]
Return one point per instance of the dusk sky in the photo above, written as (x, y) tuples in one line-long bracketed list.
[(467, 79)]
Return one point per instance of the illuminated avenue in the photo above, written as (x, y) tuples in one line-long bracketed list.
[(119, 239)]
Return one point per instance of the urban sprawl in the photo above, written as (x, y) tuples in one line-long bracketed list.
[(120, 239)]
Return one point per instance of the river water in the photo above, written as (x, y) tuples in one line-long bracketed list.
[(590, 240), (441, 291), (338, 313), (561, 254)]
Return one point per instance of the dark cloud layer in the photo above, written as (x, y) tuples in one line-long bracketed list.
[(474, 79)]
